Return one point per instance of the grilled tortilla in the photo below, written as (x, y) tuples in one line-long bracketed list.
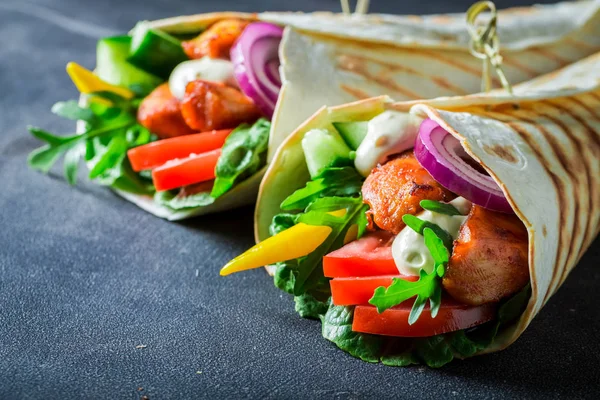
[(541, 146)]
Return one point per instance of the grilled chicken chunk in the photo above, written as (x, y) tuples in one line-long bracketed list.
[(216, 41), (213, 105), (160, 112), (396, 188), (489, 261)]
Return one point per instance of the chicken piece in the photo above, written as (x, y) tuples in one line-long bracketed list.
[(396, 188), (160, 112), (489, 261), (213, 105), (216, 41)]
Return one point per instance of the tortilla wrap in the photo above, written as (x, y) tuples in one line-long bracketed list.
[(541, 146), (330, 59)]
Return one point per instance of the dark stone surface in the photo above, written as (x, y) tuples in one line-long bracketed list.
[(85, 277)]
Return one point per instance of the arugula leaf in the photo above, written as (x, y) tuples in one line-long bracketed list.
[(310, 307), (437, 249), (71, 110), (428, 287), (109, 157), (401, 290), (171, 200), (418, 225), (344, 181), (337, 328), (244, 154), (71, 162), (440, 208)]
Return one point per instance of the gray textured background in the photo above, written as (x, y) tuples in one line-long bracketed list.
[(85, 277)]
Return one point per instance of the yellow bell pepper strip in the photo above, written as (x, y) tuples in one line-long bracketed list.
[(297, 241), (87, 82)]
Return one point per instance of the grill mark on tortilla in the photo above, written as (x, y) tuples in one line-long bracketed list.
[(517, 65), (590, 110), (356, 64), (587, 238), (582, 45), (551, 56), (575, 177), (453, 63), (359, 94), (559, 154), (555, 179), (594, 95)]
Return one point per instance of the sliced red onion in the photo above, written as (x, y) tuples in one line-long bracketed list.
[(442, 155), (255, 58)]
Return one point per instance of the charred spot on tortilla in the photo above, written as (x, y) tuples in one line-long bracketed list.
[(504, 152)]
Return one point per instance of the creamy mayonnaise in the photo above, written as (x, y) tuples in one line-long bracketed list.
[(390, 132), (408, 249), (205, 68)]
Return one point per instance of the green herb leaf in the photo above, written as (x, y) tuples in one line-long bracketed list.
[(49, 138), (110, 157), (417, 309), (71, 110), (435, 301), (337, 328), (281, 222), (309, 270), (243, 155), (401, 290), (344, 181), (437, 248), (418, 225), (440, 208), (71, 162), (172, 200)]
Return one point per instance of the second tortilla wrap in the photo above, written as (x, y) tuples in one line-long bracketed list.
[(334, 59), (541, 146)]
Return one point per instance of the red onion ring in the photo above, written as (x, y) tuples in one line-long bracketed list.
[(255, 58), (440, 154)]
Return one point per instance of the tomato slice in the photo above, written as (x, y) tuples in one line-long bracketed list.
[(370, 255), (186, 171), (358, 290), (157, 153), (451, 317)]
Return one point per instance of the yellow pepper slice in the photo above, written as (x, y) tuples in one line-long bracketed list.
[(88, 82), (297, 241)]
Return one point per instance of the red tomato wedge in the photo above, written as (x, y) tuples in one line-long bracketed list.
[(370, 255), (157, 153), (186, 171), (353, 291), (451, 317)]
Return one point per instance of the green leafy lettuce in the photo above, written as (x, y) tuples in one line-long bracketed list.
[(244, 154)]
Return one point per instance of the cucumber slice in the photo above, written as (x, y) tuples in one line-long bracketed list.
[(324, 149), (353, 133), (112, 65), (155, 51)]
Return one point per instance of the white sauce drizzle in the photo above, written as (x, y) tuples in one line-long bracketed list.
[(408, 249), (205, 68), (390, 132)]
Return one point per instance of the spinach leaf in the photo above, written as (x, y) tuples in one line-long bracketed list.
[(244, 154), (309, 306), (172, 200), (337, 328)]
